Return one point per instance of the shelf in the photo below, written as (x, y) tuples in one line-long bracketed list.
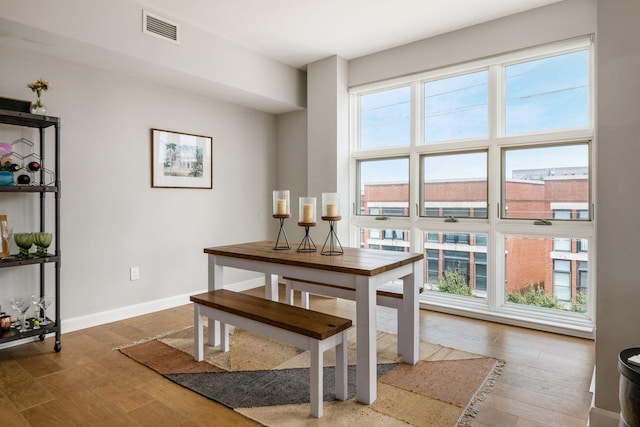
[(19, 118), (14, 334), (14, 260), (48, 128), (28, 188)]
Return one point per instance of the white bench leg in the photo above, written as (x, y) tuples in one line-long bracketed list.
[(304, 296), (315, 390), (224, 337), (288, 292), (342, 386), (198, 345)]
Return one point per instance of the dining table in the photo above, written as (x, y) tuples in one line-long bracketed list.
[(363, 270)]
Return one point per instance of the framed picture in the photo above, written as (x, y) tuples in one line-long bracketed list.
[(181, 160), (4, 235)]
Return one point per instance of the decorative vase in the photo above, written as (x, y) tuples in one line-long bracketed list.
[(38, 107), (6, 178)]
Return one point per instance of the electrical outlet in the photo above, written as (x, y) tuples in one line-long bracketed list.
[(134, 273)]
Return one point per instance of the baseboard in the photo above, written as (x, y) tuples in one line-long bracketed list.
[(602, 418), (96, 319)]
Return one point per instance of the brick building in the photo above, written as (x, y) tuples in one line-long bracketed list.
[(557, 265)]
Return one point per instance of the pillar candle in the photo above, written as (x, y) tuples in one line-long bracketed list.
[(332, 209), (281, 207), (307, 213)]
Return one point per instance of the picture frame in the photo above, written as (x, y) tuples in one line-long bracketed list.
[(4, 244), (181, 160)]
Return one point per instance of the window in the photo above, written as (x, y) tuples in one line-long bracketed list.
[(384, 186), (433, 267), (486, 168), (456, 238), (454, 184), (454, 266), (538, 93), (456, 107), (393, 234), (562, 279), (384, 239), (384, 118), (544, 182), (562, 245), (480, 276), (457, 262), (583, 270)]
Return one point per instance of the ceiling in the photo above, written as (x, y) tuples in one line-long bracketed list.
[(299, 32), (251, 53)]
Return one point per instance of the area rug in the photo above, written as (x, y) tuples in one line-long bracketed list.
[(268, 381)]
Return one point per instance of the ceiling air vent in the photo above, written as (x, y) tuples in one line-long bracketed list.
[(159, 27)]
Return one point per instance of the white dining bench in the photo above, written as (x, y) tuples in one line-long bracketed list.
[(306, 329)]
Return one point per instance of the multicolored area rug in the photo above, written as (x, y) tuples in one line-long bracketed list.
[(268, 381)]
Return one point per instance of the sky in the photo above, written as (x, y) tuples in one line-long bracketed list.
[(540, 95)]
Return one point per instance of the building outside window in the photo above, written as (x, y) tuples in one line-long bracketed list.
[(486, 168)]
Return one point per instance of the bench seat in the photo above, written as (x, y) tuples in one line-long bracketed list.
[(307, 329), (388, 295)]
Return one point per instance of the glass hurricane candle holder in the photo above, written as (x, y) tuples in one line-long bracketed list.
[(281, 205), (306, 219), (331, 213), (331, 206), (307, 211), (281, 210)]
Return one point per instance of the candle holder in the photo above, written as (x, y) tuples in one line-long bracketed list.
[(281, 210), (331, 213), (306, 219)]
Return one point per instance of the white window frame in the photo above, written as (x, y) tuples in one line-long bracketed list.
[(496, 227)]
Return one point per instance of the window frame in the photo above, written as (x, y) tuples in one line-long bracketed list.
[(495, 226)]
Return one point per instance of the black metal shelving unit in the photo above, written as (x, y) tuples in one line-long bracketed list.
[(42, 123)]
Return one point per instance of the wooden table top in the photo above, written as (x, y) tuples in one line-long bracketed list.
[(365, 262)]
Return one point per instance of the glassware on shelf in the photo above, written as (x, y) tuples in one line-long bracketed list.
[(35, 301), (42, 241), (45, 303), (24, 242), (22, 306)]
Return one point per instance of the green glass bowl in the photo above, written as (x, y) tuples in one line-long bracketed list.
[(42, 239), (24, 240)]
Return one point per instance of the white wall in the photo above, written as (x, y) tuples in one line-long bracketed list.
[(547, 24), (328, 138), (618, 184), (108, 35), (292, 166), (111, 217)]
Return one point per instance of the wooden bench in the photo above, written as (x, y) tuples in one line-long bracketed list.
[(307, 329), (388, 295)]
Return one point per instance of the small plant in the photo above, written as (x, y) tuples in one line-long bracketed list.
[(453, 282), (580, 303), (533, 294)]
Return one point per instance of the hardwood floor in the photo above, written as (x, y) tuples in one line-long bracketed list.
[(544, 383)]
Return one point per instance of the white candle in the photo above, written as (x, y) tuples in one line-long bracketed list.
[(332, 209), (307, 213), (281, 207)]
